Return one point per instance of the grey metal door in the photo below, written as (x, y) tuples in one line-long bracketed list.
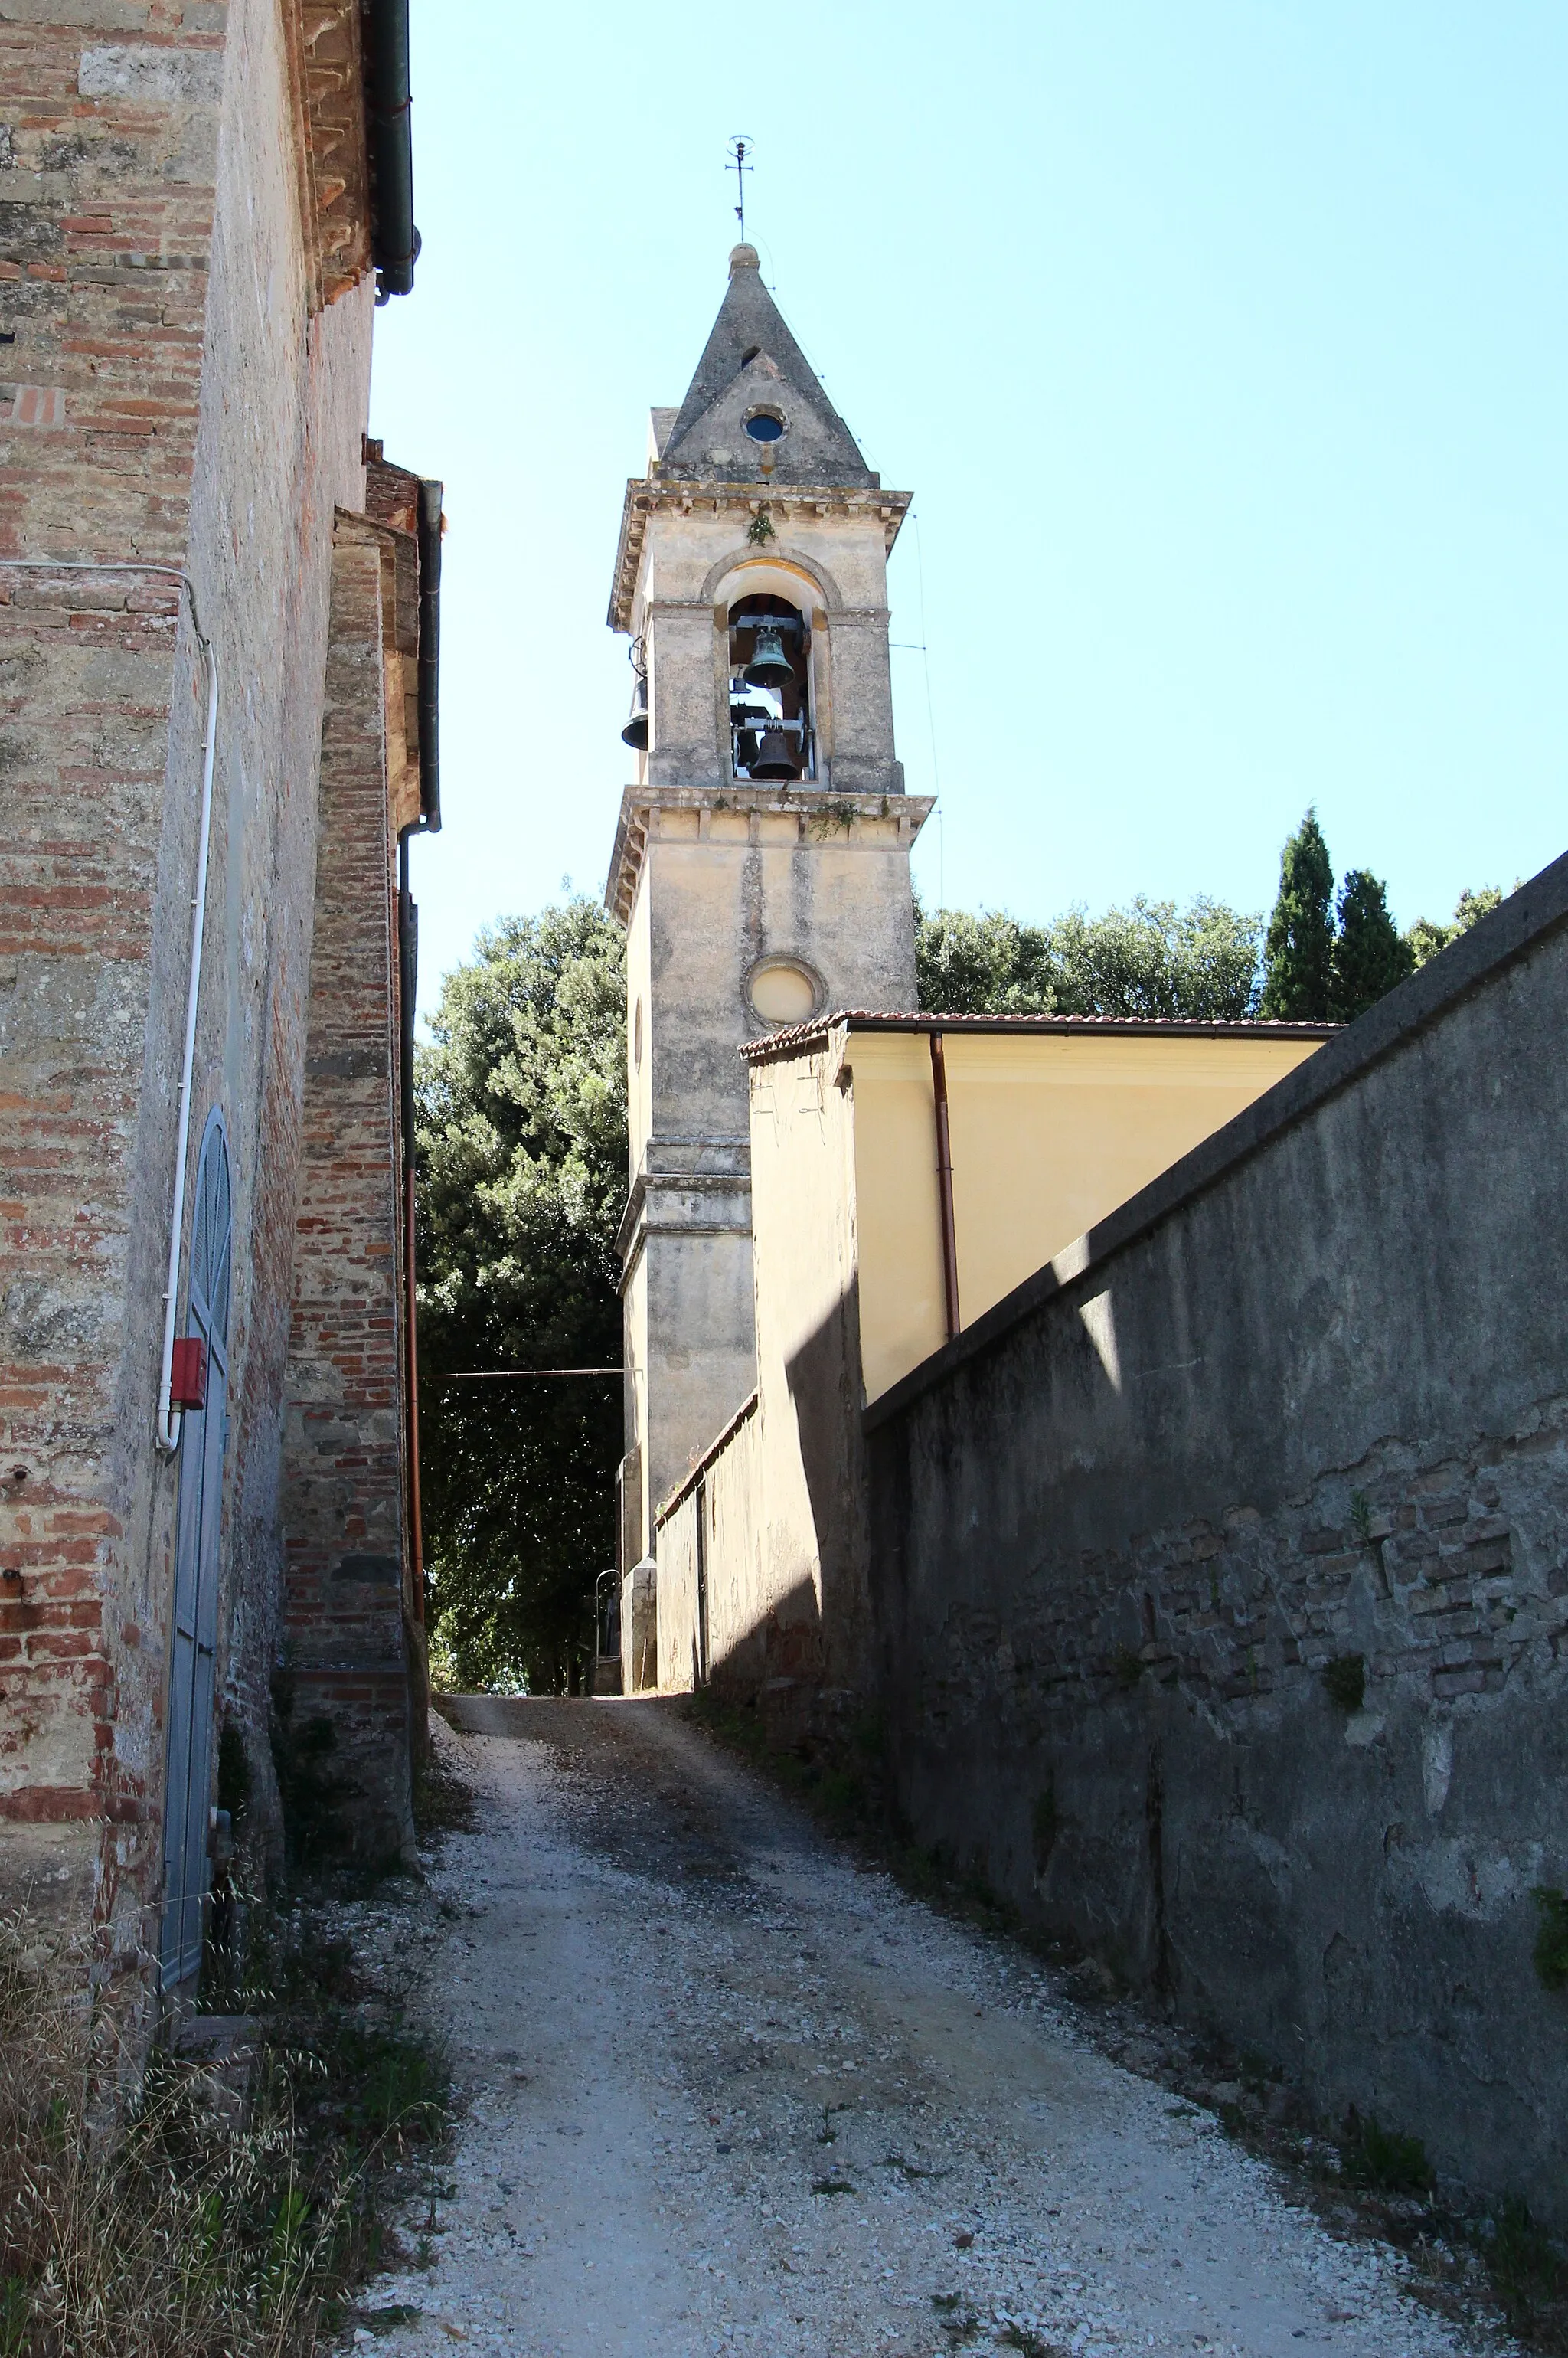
[(202, 1436)]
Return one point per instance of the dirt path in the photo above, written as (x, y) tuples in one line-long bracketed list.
[(729, 2090)]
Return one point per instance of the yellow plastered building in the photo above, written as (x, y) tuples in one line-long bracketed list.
[(908, 1173)]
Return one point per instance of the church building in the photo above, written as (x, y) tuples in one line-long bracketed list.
[(825, 1183), (218, 614)]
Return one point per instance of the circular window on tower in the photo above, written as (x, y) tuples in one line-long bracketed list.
[(764, 426), (784, 991)]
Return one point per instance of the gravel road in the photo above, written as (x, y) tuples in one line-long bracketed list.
[(728, 2090)]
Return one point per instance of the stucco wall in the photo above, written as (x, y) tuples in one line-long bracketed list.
[(708, 1569), (1303, 1400), (1049, 1131)]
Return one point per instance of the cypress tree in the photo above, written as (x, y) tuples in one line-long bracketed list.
[(1368, 955), (1298, 952)]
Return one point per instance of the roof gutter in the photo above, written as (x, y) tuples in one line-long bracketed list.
[(394, 240)]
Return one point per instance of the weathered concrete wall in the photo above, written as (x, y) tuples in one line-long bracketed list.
[(346, 1545), (1303, 1400), (188, 410)]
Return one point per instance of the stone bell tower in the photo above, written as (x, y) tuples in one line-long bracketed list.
[(762, 860)]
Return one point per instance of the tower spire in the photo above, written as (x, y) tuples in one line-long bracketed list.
[(751, 361)]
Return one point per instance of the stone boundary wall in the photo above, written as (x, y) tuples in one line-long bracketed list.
[(1220, 1573)]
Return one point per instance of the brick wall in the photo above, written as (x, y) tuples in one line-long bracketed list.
[(190, 407), (349, 1646)]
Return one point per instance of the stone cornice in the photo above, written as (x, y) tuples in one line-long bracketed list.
[(817, 817), (693, 1203), (331, 146), (645, 498)]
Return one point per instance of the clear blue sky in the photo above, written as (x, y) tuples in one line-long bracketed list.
[(1224, 347)]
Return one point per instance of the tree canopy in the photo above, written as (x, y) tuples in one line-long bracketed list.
[(1427, 936), (1298, 953), (1196, 965), (522, 1158), (1327, 960), (1369, 957)]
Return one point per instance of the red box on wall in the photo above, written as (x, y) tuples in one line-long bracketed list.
[(188, 1374)]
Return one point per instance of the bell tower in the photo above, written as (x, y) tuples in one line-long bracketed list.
[(760, 864)]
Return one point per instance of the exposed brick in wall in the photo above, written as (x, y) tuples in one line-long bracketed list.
[(348, 1639), (168, 397), (107, 191), (1405, 1564)]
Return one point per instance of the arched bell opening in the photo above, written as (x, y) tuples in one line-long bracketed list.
[(769, 690)]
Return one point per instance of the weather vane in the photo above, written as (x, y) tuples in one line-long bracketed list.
[(741, 147)]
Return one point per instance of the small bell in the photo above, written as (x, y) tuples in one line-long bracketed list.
[(769, 667), (776, 757), (635, 732)]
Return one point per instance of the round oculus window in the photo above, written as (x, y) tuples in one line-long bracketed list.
[(783, 992), (764, 426)]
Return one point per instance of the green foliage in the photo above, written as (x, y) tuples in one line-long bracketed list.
[(1529, 2277), (1551, 1937), (522, 1147), (1381, 2158), (1197, 964), (1426, 936), (1370, 957), (1298, 952), (1346, 1680)]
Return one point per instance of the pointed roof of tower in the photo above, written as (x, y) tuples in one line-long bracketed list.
[(751, 361)]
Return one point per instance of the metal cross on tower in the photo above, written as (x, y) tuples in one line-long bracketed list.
[(741, 147)]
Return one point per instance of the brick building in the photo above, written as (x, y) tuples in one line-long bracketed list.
[(218, 624)]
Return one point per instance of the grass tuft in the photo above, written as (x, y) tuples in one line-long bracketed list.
[(1346, 1681), (186, 2222), (1381, 2158)]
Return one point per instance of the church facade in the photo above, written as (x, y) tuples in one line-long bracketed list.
[(218, 660)]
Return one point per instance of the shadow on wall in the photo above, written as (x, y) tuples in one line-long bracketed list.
[(824, 1463), (766, 1561)]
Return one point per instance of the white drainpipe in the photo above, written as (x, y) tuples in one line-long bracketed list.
[(166, 1417)]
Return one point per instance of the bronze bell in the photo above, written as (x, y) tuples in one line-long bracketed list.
[(776, 756), (635, 732), (769, 667)]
